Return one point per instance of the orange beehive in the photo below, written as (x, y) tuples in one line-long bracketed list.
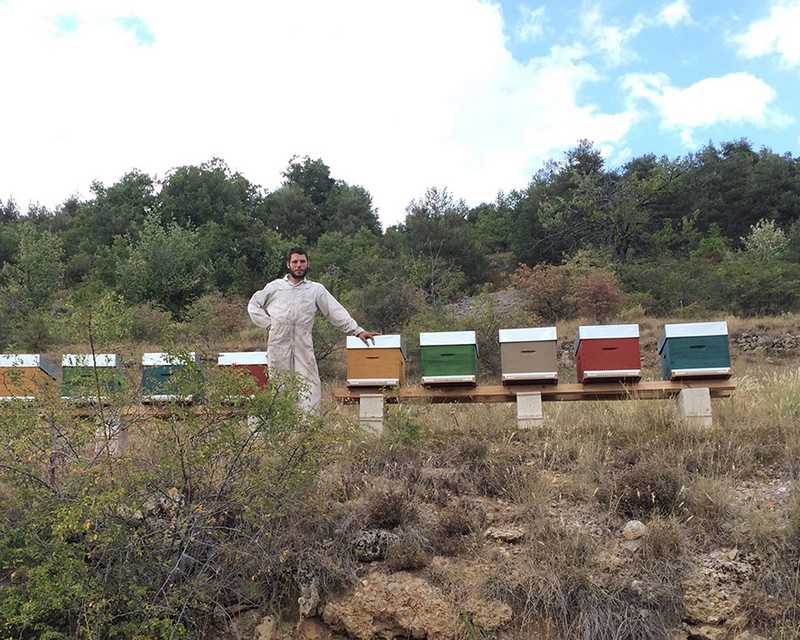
[(24, 376), (381, 364)]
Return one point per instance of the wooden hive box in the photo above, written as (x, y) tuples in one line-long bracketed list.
[(382, 364), (24, 376), (250, 365), (608, 352), (448, 357), (82, 375), (529, 355), (695, 350), (168, 377)]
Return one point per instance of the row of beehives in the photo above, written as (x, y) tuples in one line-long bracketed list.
[(602, 352), (164, 376)]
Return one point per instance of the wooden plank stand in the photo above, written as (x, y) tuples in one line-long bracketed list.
[(692, 397)]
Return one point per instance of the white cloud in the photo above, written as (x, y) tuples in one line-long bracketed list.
[(532, 26), (775, 34), (394, 98), (733, 98), (674, 14), (612, 40)]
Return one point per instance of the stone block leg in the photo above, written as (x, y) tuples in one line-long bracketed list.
[(529, 410), (111, 433), (370, 412), (693, 407)]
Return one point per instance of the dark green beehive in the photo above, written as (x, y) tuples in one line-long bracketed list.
[(449, 357), (168, 377), (90, 377), (695, 350)]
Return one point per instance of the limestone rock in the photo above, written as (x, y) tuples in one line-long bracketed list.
[(713, 591), (372, 544), (633, 530), (391, 606), (267, 629), (491, 615)]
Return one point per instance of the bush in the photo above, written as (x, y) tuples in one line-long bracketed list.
[(205, 513)]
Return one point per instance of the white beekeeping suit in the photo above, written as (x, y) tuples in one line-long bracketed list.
[(288, 311)]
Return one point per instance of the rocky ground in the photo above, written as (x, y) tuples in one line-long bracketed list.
[(390, 605)]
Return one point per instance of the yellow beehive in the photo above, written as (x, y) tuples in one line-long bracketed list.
[(24, 376)]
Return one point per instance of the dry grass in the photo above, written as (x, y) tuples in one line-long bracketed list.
[(442, 477), (569, 487)]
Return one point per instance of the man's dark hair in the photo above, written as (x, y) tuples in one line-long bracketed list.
[(299, 250)]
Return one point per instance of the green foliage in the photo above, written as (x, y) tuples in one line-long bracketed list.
[(214, 318), (157, 544), (667, 228), (193, 196), (38, 270), (444, 259), (114, 212), (242, 253), (766, 241), (311, 203), (754, 286), (163, 267), (99, 320)]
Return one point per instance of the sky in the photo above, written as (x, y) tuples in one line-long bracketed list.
[(472, 96)]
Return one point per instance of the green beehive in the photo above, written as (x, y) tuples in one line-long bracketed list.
[(449, 357), (168, 377), (695, 350), (83, 375)]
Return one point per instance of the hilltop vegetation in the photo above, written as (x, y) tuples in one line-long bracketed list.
[(714, 232)]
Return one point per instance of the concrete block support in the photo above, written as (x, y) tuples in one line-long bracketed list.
[(529, 410), (693, 407), (111, 433), (370, 412)]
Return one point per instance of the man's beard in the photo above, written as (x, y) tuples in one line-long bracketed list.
[(299, 273)]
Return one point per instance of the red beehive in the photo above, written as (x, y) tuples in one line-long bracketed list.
[(250, 364), (608, 352)]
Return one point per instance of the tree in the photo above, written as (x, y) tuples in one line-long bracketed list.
[(116, 211), (242, 252), (164, 267), (439, 242), (193, 196), (349, 209), (38, 269), (310, 203), (759, 279)]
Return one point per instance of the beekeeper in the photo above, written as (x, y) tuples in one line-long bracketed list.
[(287, 308)]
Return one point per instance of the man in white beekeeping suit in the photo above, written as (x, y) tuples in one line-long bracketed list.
[(287, 308)]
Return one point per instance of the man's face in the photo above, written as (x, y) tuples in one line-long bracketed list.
[(298, 265)]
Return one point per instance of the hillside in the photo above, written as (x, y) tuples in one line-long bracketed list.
[(610, 521)]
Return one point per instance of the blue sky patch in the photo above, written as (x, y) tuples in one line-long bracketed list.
[(66, 24), (138, 27)]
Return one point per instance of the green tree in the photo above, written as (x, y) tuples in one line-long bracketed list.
[(242, 251), (164, 267), (114, 212), (38, 268), (759, 279), (310, 203), (439, 244), (193, 196)]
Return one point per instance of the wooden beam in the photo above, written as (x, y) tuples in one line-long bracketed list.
[(648, 390)]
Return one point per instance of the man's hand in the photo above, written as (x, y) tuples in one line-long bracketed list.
[(366, 336)]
